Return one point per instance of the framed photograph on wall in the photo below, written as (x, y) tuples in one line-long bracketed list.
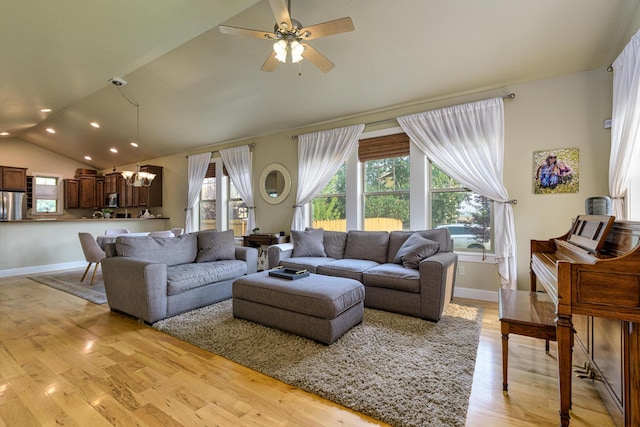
[(556, 171)]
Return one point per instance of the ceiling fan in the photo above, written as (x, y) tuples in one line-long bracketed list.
[(290, 36)]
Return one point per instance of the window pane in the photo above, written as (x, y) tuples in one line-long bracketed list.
[(390, 174), (440, 180), (330, 213), (43, 205), (208, 204), (386, 212), (238, 212), (467, 216), (329, 207)]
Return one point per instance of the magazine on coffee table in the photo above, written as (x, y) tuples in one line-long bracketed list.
[(288, 273)]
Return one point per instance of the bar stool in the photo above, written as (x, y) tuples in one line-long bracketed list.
[(531, 314)]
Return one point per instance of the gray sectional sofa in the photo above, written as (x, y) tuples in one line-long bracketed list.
[(152, 278), (406, 272)]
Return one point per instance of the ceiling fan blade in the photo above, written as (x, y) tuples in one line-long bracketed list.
[(281, 12), (235, 31), (325, 29), (317, 59), (271, 63)]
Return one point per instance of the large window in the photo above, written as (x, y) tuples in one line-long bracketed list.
[(464, 213), (46, 194), (208, 204), (329, 210), (372, 192), (386, 178), (238, 212)]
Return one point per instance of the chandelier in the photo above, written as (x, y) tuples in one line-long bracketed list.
[(282, 46), (137, 178)]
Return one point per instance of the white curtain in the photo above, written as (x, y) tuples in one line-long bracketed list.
[(625, 123), (467, 143), (320, 155), (197, 169), (238, 163)]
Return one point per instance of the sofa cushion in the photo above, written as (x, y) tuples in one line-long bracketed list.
[(440, 235), (334, 243), (308, 243), (309, 263), (169, 251), (393, 276), (415, 249), (181, 278), (367, 245), (349, 268), (214, 246)]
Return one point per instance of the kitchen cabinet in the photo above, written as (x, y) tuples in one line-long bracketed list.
[(100, 193), (71, 194), (87, 192), (13, 178), (151, 196)]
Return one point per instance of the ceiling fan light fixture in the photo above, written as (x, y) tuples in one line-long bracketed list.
[(280, 48), (296, 51)]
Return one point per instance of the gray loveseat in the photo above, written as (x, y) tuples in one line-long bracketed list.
[(152, 278), (411, 273)]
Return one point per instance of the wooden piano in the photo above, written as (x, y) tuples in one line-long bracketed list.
[(593, 272)]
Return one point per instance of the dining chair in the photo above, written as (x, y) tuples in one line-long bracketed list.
[(114, 231), (177, 231), (166, 233), (92, 253)]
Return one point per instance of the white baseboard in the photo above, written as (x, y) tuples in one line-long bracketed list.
[(41, 268), (479, 294)]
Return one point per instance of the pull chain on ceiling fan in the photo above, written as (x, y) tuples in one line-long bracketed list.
[(290, 37)]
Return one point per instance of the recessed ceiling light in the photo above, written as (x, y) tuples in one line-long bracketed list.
[(87, 157), (95, 125), (134, 144), (113, 150), (50, 130), (4, 133), (45, 110)]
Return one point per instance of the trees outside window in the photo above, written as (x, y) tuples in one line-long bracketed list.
[(208, 204), (386, 194), (328, 209)]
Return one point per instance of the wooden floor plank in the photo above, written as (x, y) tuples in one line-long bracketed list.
[(66, 361)]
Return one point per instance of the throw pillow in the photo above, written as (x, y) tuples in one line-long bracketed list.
[(308, 243), (415, 249), (214, 246)]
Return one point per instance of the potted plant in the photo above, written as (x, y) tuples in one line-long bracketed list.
[(106, 212)]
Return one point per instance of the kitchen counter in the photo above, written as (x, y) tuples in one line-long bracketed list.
[(34, 220)]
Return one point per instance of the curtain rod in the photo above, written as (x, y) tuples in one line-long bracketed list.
[(509, 96), (218, 151)]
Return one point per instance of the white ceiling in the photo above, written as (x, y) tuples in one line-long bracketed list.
[(197, 87)]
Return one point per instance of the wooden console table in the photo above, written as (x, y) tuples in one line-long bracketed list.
[(259, 240)]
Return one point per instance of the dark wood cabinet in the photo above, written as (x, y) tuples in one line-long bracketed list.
[(71, 194), (151, 196), (100, 193), (13, 178), (87, 192)]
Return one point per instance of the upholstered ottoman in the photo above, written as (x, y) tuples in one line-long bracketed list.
[(318, 307)]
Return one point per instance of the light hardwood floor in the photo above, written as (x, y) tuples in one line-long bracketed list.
[(65, 361)]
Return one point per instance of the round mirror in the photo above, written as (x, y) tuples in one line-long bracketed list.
[(275, 183)]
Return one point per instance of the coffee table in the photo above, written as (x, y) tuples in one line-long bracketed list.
[(318, 307)]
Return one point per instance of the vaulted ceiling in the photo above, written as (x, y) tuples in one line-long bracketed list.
[(197, 87)]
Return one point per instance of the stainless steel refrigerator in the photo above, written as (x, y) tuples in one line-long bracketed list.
[(11, 205)]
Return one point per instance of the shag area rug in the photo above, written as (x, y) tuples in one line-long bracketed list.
[(401, 370), (69, 281)]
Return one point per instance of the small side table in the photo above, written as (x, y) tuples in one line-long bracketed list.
[(260, 240)]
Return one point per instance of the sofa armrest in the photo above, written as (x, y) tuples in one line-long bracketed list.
[(276, 253), (136, 287), (437, 279), (250, 256)]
